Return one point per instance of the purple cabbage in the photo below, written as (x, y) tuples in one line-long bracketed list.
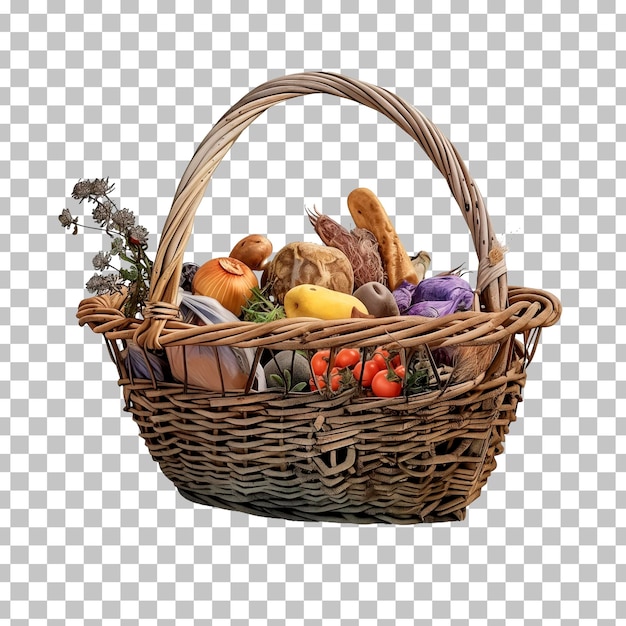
[(403, 295), (432, 308), (445, 355), (434, 297), (445, 287)]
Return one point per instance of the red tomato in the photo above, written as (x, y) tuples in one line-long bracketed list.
[(347, 357), (319, 362), (385, 388), (335, 379), (400, 371), (317, 386), (380, 358), (321, 381), (396, 361), (369, 371)]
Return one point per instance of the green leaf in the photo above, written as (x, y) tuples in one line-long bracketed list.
[(299, 387), (130, 274), (117, 246), (126, 258), (277, 379), (287, 375)]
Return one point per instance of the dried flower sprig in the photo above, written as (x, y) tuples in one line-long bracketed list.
[(129, 242)]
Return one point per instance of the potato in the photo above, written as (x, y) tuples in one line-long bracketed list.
[(378, 299), (302, 262), (253, 250)]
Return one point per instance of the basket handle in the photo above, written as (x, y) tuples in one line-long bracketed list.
[(491, 278)]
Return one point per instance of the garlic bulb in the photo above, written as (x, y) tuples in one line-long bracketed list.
[(227, 280)]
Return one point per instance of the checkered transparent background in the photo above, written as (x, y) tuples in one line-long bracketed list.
[(533, 98)]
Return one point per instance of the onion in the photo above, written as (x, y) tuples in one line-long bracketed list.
[(227, 280)]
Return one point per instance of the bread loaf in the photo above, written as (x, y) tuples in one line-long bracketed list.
[(368, 212)]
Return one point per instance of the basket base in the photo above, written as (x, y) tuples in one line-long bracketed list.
[(357, 517), (342, 460)]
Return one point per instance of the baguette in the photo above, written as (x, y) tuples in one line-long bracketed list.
[(368, 212)]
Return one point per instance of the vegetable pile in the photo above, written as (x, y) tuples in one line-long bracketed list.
[(364, 272), (361, 273)]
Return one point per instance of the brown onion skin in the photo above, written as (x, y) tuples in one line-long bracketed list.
[(253, 250), (229, 281)]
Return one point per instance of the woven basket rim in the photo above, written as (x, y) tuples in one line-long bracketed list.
[(528, 309)]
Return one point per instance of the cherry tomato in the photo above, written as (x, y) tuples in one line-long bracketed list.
[(317, 384), (380, 358), (400, 371), (370, 369), (335, 379), (319, 362), (385, 388), (347, 357), (321, 381), (396, 361)]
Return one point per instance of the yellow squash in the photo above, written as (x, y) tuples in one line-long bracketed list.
[(308, 300)]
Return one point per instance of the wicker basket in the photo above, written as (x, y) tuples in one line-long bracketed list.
[(309, 456)]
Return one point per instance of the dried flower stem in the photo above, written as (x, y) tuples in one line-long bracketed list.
[(129, 243)]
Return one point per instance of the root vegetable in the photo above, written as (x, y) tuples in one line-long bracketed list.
[(359, 245), (378, 300), (253, 250)]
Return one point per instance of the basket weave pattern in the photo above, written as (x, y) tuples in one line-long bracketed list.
[(310, 456)]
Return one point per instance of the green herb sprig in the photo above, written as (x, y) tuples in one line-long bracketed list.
[(261, 306)]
